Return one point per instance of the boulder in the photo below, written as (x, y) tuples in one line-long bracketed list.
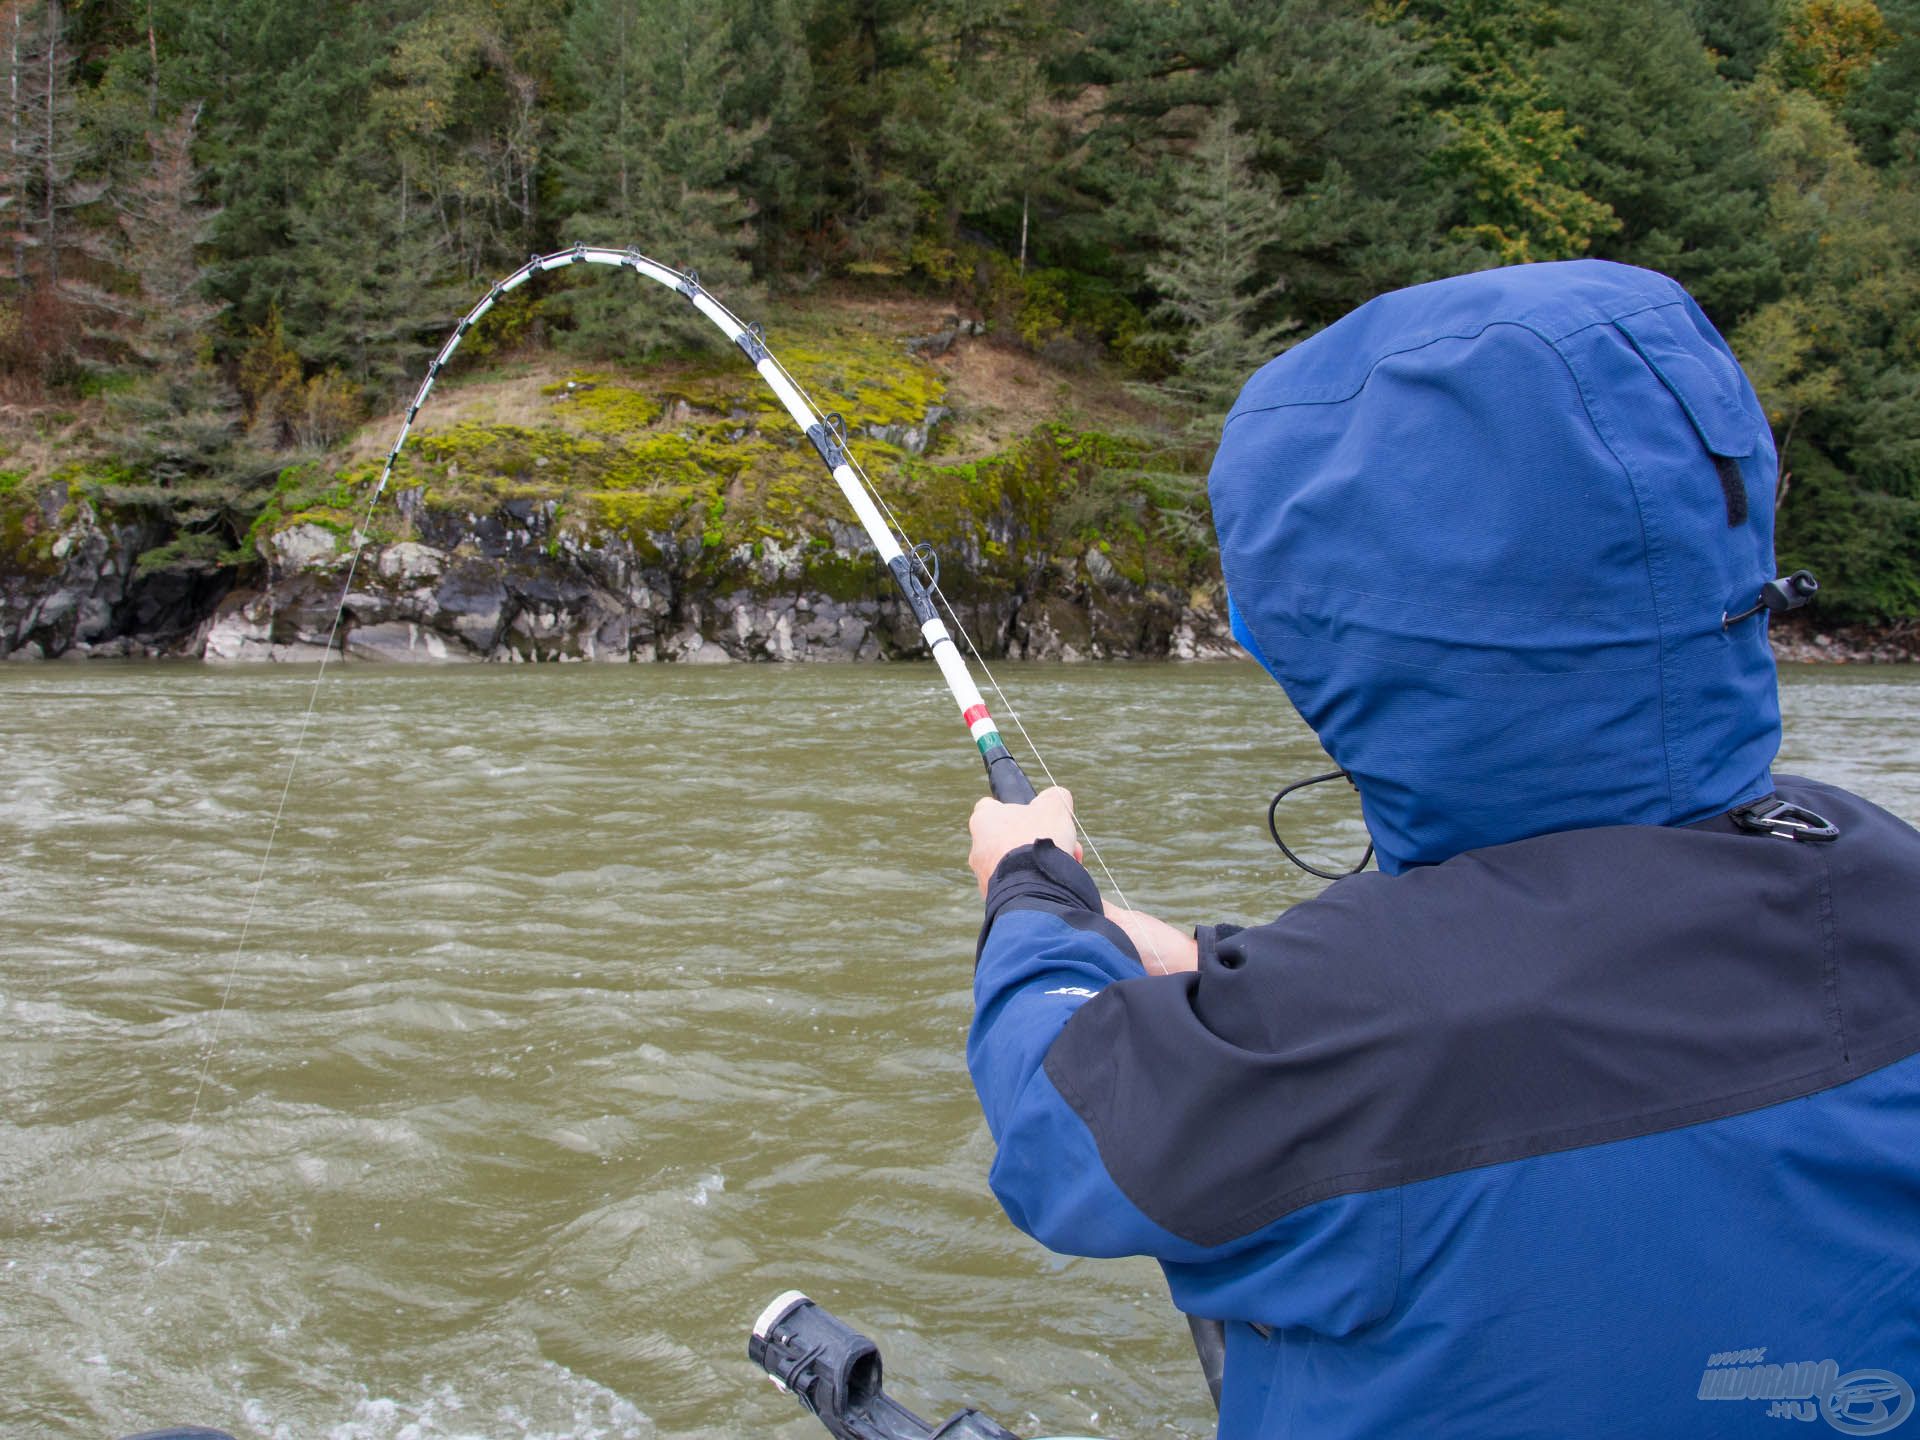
[(404, 642), (911, 438), (241, 630), (305, 547), (690, 647), (410, 563), (472, 602), (520, 582), (78, 587)]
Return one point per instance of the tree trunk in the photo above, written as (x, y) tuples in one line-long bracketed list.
[(621, 140), (153, 67), (50, 159), (16, 153)]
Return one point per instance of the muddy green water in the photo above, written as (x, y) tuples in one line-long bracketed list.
[(583, 1010)]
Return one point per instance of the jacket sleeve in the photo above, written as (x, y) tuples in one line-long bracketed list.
[(1045, 951)]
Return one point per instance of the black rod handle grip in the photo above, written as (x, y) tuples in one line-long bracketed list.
[(1006, 781)]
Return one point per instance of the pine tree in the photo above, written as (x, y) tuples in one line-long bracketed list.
[(14, 203), (287, 91), (1215, 297), (969, 126), (45, 151), (1740, 33), (1883, 109), (55, 146), (177, 418), (1836, 360), (1513, 148), (785, 174), (1337, 101), (1214, 316), (1669, 147), (651, 160), (464, 110), (370, 286), (862, 57), (41, 189)]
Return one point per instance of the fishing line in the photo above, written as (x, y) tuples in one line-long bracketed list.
[(253, 899)]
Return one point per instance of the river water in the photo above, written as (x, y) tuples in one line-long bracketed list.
[(583, 1010)]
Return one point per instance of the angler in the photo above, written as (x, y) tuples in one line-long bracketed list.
[(1616, 1067)]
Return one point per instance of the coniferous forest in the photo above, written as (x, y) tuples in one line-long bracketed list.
[(237, 229)]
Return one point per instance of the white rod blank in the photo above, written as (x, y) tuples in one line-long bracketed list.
[(952, 668)]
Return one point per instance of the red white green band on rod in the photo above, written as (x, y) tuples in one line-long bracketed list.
[(1004, 775)]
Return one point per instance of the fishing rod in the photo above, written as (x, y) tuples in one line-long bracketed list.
[(917, 581), (916, 578)]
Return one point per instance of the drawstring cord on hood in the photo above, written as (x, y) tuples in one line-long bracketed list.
[(1273, 827)]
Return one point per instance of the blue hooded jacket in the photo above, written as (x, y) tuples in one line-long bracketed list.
[(1597, 1113), (1480, 532)]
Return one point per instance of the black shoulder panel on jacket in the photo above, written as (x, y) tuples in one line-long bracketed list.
[(1563, 991)]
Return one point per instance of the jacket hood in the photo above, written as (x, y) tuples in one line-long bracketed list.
[(1484, 533)]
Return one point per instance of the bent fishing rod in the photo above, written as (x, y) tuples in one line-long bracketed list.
[(917, 582), (916, 579)]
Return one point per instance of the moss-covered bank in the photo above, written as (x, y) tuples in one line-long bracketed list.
[(543, 511)]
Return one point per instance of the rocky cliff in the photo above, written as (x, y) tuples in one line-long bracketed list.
[(548, 513)]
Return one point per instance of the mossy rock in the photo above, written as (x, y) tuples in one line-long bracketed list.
[(307, 495), (26, 540)]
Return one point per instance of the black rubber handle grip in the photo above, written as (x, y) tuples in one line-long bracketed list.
[(1006, 781)]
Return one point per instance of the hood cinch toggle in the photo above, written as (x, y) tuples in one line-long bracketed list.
[(1789, 592), (1774, 816)]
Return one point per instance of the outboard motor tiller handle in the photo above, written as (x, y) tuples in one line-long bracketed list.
[(834, 1371)]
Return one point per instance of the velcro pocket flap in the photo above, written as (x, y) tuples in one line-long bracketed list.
[(1707, 383)]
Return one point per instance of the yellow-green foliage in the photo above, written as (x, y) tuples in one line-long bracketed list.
[(702, 453), (1037, 305), (698, 447), (501, 460), (600, 405), (868, 378), (306, 495), (1059, 493), (26, 539)]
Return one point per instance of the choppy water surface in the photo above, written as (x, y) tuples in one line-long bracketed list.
[(583, 1010)]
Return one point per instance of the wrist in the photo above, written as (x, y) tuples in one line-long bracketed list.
[(1039, 876)]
